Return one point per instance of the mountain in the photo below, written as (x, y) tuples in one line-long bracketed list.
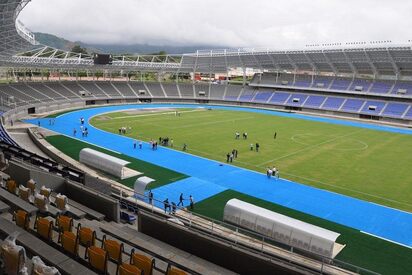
[(54, 41), (146, 48), (61, 43)]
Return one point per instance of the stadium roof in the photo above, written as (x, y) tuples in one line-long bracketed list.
[(14, 37), (373, 59)]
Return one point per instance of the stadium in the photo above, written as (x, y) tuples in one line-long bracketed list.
[(300, 164)]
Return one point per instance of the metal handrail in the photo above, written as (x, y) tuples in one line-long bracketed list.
[(214, 227)]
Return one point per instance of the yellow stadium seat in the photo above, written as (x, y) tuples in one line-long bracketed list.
[(114, 248), (142, 262), (70, 242), (44, 228), (174, 271), (22, 219), (11, 186), (13, 258), (87, 236), (128, 269), (64, 223), (97, 258)]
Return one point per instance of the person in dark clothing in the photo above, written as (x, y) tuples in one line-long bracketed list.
[(274, 136), (227, 157), (150, 197), (180, 200), (257, 147), (166, 205)]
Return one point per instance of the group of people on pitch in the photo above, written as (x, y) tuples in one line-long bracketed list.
[(272, 172)]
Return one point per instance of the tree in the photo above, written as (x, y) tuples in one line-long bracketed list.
[(78, 49)]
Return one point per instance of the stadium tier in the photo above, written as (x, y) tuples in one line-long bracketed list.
[(345, 102), (71, 221), (330, 83)]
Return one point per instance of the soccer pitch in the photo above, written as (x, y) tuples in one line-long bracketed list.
[(367, 164)]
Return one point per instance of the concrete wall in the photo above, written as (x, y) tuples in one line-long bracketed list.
[(22, 172), (98, 184), (218, 252), (94, 200)]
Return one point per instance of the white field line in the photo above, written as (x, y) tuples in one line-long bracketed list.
[(348, 189), (308, 148), (186, 125), (157, 114), (312, 180), (293, 175), (144, 121), (404, 245), (364, 144), (213, 122)]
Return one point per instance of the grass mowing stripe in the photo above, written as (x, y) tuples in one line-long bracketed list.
[(361, 249), (163, 176), (309, 147)]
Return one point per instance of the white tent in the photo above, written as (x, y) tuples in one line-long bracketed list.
[(281, 228), (104, 162), (140, 185)]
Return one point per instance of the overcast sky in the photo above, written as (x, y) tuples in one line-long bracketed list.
[(227, 23)]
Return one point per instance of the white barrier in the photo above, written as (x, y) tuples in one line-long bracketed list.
[(103, 162), (284, 229)]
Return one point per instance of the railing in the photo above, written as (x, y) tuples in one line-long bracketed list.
[(240, 237)]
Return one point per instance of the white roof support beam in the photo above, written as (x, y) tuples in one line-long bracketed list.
[(350, 63), (393, 63), (375, 71), (334, 69)]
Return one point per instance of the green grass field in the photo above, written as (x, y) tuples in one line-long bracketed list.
[(367, 164)]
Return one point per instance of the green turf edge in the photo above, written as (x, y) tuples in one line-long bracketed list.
[(72, 147), (361, 249)]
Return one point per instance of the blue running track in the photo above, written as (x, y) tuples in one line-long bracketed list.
[(208, 177)]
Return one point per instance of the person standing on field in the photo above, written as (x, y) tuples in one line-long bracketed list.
[(180, 200), (192, 202)]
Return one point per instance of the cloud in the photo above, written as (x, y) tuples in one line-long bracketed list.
[(232, 23)]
